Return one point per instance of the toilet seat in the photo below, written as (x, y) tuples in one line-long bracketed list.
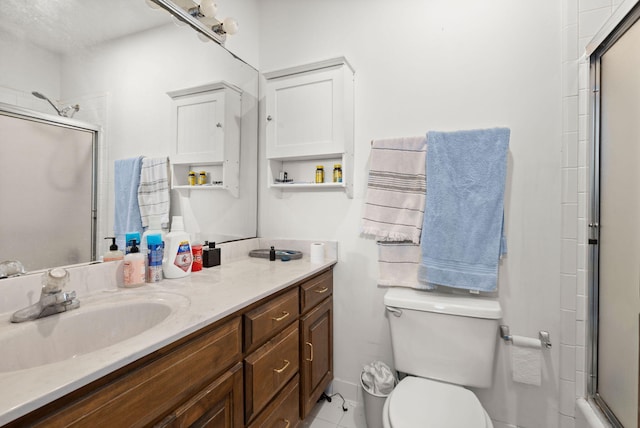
[(429, 403)]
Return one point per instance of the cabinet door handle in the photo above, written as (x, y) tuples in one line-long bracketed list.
[(269, 118), (286, 421), (322, 290), (286, 364), (311, 351), (280, 318)]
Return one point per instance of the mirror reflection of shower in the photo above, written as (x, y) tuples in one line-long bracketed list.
[(67, 111)]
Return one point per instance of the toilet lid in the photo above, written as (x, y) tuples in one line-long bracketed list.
[(429, 403)]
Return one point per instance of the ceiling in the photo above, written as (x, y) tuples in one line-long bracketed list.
[(64, 25)]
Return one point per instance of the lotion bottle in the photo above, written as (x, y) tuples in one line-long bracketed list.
[(177, 258), (154, 257), (134, 269), (113, 254)]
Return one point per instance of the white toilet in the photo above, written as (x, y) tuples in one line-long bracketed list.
[(442, 342)]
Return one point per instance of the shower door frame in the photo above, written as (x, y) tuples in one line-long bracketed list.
[(617, 28), (11, 110)]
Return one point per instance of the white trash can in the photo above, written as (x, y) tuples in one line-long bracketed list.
[(373, 406), (377, 380)]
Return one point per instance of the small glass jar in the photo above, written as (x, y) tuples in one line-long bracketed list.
[(337, 173), (192, 178), (319, 174), (202, 178)]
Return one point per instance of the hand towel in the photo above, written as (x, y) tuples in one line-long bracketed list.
[(127, 212), (462, 230), (398, 265), (153, 191), (394, 204)]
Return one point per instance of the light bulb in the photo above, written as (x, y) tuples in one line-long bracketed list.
[(230, 26), (208, 8)]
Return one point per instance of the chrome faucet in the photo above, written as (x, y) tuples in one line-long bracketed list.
[(52, 299)]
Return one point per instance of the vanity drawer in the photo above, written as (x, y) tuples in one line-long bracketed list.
[(266, 320), (145, 395), (283, 411), (315, 290), (268, 369)]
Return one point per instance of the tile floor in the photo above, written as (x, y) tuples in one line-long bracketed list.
[(331, 415)]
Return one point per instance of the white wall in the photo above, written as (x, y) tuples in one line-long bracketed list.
[(436, 65), (40, 72)]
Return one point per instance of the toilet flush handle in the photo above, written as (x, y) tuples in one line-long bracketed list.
[(395, 311)]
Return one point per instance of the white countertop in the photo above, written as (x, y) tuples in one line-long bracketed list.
[(212, 293)]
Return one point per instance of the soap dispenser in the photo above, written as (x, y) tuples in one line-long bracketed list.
[(134, 268), (113, 254)]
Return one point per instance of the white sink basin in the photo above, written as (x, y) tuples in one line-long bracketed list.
[(97, 324)]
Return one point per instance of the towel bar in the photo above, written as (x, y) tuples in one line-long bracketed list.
[(544, 337)]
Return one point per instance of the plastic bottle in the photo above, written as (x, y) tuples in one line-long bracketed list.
[(113, 254), (196, 249), (319, 174), (154, 229), (154, 257), (129, 237), (177, 255), (134, 273)]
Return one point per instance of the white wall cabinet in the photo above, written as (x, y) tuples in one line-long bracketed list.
[(206, 136), (309, 122)]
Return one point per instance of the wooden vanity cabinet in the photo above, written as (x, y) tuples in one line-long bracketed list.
[(268, 401), (172, 384), (316, 340), (263, 367)]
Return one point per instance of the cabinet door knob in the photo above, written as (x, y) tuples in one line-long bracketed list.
[(280, 318), (311, 351), (286, 364), (219, 125), (269, 118)]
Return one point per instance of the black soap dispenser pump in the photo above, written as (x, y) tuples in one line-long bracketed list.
[(272, 254), (113, 254)]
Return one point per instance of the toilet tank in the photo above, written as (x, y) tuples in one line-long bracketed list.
[(447, 337)]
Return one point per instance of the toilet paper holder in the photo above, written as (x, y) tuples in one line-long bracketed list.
[(544, 337)]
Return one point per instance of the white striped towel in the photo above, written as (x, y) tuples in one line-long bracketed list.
[(153, 191), (395, 201), (398, 265)]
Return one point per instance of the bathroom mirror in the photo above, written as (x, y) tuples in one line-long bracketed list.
[(119, 60)]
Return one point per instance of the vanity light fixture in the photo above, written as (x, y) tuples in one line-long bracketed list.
[(202, 17)]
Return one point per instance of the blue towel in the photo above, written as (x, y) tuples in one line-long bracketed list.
[(463, 221), (127, 212)]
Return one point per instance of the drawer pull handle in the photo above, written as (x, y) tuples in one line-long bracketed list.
[(280, 318), (286, 364), (286, 421), (311, 350), (322, 290)]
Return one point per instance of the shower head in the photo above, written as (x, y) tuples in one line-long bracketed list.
[(68, 111), (39, 95)]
